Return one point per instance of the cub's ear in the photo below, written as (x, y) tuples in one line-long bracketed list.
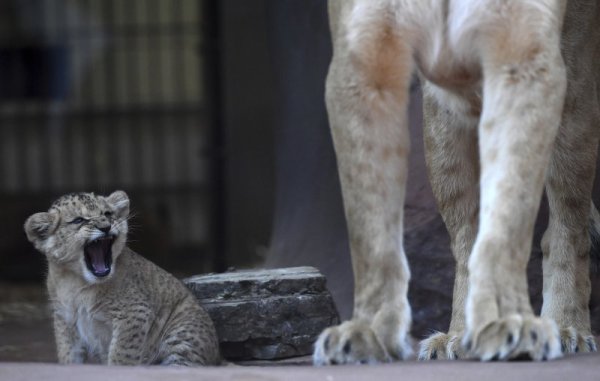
[(120, 202), (40, 226)]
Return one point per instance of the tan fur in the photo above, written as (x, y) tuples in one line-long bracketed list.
[(494, 84), (137, 314)]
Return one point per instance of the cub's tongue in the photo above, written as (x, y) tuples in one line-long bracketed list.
[(98, 256)]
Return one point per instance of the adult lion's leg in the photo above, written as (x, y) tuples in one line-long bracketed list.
[(367, 94), (523, 92), (569, 180), (566, 243), (450, 131)]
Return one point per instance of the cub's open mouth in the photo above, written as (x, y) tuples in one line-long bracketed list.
[(98, 256)]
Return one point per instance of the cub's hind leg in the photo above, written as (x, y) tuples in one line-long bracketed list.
[(450, 133), (367, 94), (191, 339)]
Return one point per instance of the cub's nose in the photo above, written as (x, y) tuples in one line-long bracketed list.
[(105, 229)]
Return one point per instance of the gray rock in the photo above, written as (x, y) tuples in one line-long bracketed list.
[(266, 314)]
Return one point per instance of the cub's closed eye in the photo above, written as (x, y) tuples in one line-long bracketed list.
[(78, 220)]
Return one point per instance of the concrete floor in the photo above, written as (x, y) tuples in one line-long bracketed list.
[(27, 353), (580, 368)]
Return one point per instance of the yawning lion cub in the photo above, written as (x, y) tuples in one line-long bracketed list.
[(110, 304)]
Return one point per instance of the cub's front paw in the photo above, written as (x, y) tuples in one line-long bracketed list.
[(441, 346), (355, 342), (514, 336)]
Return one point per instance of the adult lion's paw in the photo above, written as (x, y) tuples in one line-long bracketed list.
[(441, 346), (512, 337), (355, 342), (352, 342), (572, 341)]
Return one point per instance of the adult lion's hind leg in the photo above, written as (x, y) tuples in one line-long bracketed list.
[(524, 87), (367, 93), (566, 242), (569, 181), (450, 132)]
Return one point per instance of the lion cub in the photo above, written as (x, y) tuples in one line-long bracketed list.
[(111, 305)]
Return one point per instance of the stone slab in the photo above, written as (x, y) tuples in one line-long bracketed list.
[(266, 314)]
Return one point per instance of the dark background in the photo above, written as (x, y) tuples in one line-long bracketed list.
[(210, 115)]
